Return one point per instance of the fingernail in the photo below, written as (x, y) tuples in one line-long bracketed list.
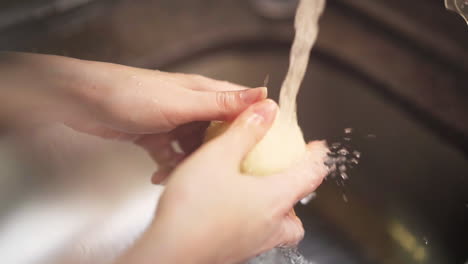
[(253, 95), (263, 112)]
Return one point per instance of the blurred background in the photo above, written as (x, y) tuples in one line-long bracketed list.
[(394, 71)]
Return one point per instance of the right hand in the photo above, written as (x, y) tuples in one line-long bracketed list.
[(211, 213)]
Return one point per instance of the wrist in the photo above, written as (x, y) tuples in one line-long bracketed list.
[(174, 244), (156, 247), (34, 88)]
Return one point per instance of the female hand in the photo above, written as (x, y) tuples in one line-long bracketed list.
[(211, 213), (111, 100), (169, 149), (152, 108)]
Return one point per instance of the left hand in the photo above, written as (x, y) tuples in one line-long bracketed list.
[(111, 100), (152, 108), (169, 149)]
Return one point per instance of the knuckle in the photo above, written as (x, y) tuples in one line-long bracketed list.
[(192, 76), (229, 100), (308, 179), (199, 80), (220, 100), (299, 234), (295, 235), (198, 77), (224, 101)]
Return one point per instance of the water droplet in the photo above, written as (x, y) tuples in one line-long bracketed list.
[(289, 255), (139, 83), (341, 159), (344, 175), (339, 182), (343, 151), (357, 154), (308, 198), (345, 198), (176, 147), (335, 146), (342, 168), (426, 241), (267, 79)]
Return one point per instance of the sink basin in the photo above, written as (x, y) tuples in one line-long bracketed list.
[(393, 71)]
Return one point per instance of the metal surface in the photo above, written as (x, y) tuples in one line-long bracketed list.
[(275, 9), (18, 11), (396, 69), (422, 61), (458, 6)]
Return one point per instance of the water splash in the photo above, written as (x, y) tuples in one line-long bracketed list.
[(342, 157), (281, 256), (345, 198), (425, 240), (294, 256), (306, 26), (308, 198)]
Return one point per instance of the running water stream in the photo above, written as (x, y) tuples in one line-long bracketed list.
[(306, 26)]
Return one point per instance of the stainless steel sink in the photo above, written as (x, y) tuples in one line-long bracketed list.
[(394, 71)]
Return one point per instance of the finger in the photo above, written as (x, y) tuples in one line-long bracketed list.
[(292, 231), (243, 134), (160, 175), (302, 179), (161, 149), (207, 106), (202, 83), (165, 168), (188, 136), (158, 145)]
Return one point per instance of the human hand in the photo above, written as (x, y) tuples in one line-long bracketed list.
[(211, 213), (111, 100), (152, 108), (169, 149)]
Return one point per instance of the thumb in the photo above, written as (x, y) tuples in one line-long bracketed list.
[(244, 133), (219, 105)]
